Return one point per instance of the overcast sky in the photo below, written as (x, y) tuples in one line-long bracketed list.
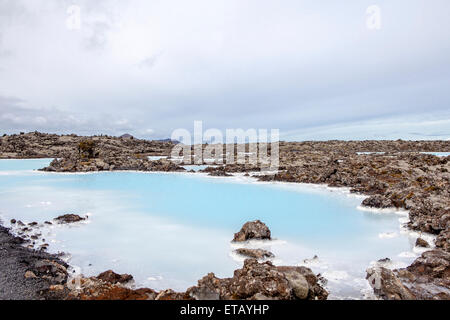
[(313, 69)]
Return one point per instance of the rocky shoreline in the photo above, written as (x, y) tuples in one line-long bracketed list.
[(396, 176), (26, 273), (43, 145)]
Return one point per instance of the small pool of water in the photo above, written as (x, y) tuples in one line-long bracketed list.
[(170, 229), (154, 158), (439, 154)]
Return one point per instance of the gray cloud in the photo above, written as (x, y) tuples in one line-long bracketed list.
[(17, 117)]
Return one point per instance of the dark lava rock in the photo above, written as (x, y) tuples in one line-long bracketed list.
[(422, 243), (377, 201), (433, 263), (112, 277), (428, 276), (255, 253), (17, 240), (69, 218), (386, 285), (261, 281), (219, 173), (255, 281), (51, 270), (252, 230)]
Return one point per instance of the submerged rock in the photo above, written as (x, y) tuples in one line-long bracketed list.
[(255, 253), (253, 230)]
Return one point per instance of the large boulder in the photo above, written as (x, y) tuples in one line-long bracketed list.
[(253, 230), (429, 275), (433, 264), (257, 281), (386, 285)]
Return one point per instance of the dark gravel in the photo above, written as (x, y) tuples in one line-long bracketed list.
[(15, 260)]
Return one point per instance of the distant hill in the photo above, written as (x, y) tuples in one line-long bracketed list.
[(169, 140)]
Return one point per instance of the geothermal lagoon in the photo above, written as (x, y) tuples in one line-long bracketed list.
[(170, 229)]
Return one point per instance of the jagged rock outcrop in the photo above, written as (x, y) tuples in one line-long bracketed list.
[(43, 145), (387, 285), (254, 281), (110, 162), (428, 277), (261, 281), (252, 230), (112, 277), (97, 289), (377, 201)]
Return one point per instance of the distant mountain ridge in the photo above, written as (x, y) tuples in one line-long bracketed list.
[(169, 140)]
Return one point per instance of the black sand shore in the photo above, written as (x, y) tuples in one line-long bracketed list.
[(18, 264)]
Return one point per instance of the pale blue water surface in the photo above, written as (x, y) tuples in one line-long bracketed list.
[(170, 229), (439, 154)]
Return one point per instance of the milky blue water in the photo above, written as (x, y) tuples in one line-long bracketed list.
[(439, 154), (170, 229)]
